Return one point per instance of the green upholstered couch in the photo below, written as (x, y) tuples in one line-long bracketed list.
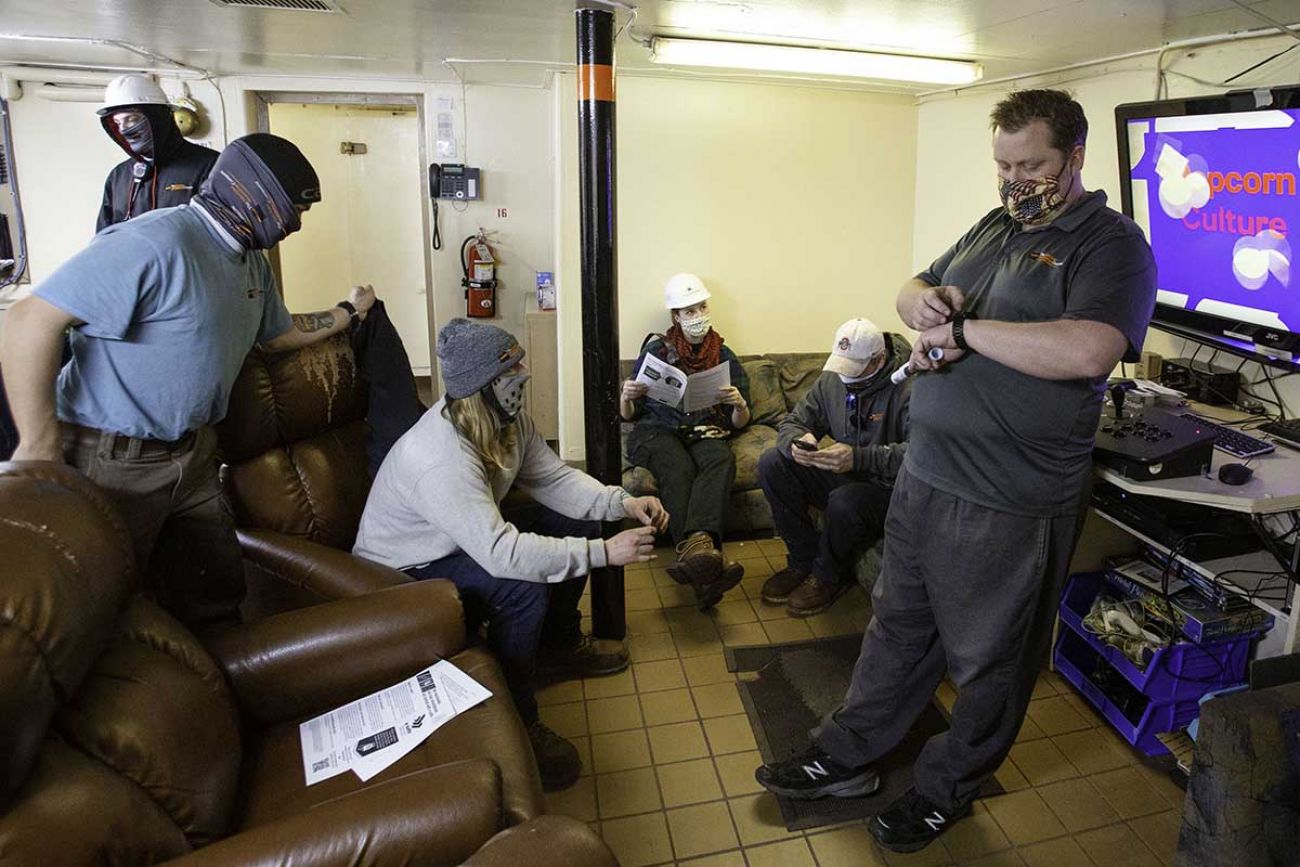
[(776, 382)]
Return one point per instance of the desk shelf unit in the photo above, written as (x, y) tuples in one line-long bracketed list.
[(1283, 639)]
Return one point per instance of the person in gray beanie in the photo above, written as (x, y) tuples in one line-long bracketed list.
[(435, 511)]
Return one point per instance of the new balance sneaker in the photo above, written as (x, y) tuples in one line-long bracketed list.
[(813, 774), (912, 822)]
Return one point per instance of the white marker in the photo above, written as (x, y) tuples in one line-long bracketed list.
[(897, 377)]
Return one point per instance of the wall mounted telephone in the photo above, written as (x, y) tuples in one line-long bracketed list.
[(454, 181)]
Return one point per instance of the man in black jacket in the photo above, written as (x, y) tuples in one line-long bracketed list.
[(855, 404), (164, 170)]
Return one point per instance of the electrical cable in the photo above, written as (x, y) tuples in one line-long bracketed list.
[(1268, 59), (20, 225), (437, 232)]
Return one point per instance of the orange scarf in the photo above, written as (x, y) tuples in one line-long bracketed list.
[(692, 358)]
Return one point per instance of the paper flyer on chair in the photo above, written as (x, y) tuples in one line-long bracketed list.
[(370, 734)]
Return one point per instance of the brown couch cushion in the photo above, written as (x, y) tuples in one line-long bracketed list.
[(766, 399), (799, 370), (68, 572), (139, 712), (274, 784), (312, 487), (294, 440)]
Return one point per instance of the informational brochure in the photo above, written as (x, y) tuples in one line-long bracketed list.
[(702, 388), (671, 386), (370, 734)]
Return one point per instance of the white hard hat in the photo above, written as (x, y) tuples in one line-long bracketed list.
[(684, 290), (132, 89)]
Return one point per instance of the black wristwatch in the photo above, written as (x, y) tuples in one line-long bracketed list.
[(959, 331), (353, 318)]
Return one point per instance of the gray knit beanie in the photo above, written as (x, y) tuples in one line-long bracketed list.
[(472, 354)]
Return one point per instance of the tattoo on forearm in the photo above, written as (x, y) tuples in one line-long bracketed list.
[(317, 321)]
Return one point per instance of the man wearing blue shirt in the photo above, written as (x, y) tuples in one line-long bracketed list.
[(163, 310)]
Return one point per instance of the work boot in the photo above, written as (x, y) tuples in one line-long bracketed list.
[(590, 657), (813, 597), (558, 762), (709, 594), (700, 564), (777, 589)]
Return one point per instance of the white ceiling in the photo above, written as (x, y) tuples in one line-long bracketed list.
[(412, 38)]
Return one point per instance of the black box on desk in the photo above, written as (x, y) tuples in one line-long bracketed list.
[(1151, 445), (1201, 381)]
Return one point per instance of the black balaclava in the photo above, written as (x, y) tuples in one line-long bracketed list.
[(254, 186), (154, 141)]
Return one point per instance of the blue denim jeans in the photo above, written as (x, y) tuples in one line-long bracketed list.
[(521, 616)]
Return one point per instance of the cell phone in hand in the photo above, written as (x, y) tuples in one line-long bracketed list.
[(804, 445)]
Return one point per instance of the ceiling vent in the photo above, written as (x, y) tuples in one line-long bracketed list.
[(285, 5), (4, 167)]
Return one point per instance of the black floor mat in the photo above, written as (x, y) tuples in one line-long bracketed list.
[(800, 683)]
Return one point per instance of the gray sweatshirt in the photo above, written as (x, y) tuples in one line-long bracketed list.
[(874, 423), (433, 498)]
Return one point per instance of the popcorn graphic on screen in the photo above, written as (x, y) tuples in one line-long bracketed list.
[(1255, 257), (1181, 188)]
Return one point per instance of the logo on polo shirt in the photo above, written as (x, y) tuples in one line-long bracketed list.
[(176, 188), (1047, 259)]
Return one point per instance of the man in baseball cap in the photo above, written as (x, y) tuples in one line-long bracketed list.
[(850, 479)]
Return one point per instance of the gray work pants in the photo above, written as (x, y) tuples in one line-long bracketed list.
[(967, 590), (186, 550)]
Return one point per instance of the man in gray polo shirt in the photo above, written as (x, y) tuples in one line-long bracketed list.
[(1033, 307)]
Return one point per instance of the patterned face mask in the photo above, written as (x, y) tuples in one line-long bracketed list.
[(1034, 201), (697, 326), (508, 395)]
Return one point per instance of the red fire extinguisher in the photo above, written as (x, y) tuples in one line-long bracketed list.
[(479, 266)]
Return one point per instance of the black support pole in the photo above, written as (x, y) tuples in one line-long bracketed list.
[(596, 138)]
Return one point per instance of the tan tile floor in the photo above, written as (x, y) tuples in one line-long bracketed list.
[(669, 756)]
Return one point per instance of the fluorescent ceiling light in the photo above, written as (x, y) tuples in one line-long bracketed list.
[(816, 61)]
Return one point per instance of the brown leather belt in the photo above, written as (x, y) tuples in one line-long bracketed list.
[(123, 446)]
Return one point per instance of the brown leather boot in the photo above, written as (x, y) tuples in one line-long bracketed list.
[(700, 564), (777, 589), (814, 596)]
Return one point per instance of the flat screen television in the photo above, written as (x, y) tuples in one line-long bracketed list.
[(1214, 182)]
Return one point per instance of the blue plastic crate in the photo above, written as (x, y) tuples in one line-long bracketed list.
[(1076, 661), (1178, 673)]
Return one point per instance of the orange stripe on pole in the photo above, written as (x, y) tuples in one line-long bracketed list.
[(596, 81)]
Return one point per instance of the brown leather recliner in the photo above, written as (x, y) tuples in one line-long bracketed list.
[(124, 741), (293, 442)]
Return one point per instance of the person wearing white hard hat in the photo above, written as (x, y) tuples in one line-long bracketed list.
[(856, 405), (688, 452), (162, 170)]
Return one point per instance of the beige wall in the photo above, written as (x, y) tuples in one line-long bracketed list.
[(62, 155), (955, 179), (793, 204)]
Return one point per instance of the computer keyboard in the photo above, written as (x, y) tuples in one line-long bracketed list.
[(1230, 440), (1286, 431)]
